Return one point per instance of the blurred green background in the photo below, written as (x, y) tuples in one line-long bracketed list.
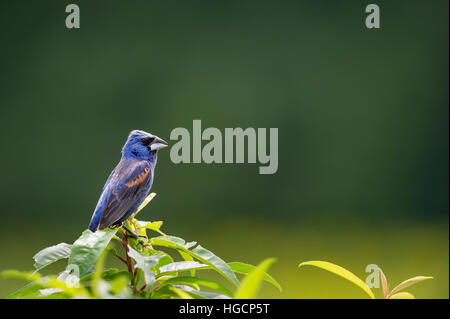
[(362, 117)]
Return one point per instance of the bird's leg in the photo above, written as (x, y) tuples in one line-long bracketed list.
[(132, 235)]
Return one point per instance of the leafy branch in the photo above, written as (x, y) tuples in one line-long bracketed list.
[(150, 272)]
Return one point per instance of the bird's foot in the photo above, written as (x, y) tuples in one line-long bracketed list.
[(132, 234), (143, 244)]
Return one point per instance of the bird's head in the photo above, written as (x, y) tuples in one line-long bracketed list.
[(142, 145)]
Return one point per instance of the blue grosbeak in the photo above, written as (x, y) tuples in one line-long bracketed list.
[(129, 183)]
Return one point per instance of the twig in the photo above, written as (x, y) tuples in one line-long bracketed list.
[(129, 262), (121, 259), (142, 288), (155, 289), (118, 238)]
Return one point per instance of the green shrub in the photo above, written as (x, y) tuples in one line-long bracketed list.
[(150, 269)]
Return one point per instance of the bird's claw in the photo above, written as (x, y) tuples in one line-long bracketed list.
[(143, 244)]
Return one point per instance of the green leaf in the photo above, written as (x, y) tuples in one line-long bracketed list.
[(407, 283), (169, 241), (187, 257), (24, 293), (207, 257), (236, 267), (197, 294), (111, 250), (144, 203), (181, 293), (96, 279), (186, 280), (49, 292), (146, 264), (251, 283), (163, 261), (384, 284), (28, 276), (142, 226), (109, 274), (167, 292), (179, 266), (342, 272), (150, 225), (162, 292), (69, 277), (245, 269), (87, 248), (119, 285), (47, 282), (50, 255), (402, 295), (200, 253)]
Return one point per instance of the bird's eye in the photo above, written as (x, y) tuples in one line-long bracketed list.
[(147, 140)]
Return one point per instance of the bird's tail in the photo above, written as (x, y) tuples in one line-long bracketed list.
[(93, 225)]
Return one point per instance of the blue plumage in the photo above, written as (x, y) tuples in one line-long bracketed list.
[(130, 182)]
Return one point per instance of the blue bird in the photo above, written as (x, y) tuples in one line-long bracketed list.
[(129, 183)]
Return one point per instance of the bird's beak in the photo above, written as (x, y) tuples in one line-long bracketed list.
[(158, 143)]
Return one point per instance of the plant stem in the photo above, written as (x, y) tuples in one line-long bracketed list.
[(159, 286), (129, 261), (121, 259), (142, 288)]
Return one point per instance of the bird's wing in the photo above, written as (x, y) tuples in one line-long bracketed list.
[(127, 184)]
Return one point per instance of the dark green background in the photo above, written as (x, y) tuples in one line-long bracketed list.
[(362, 117)]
